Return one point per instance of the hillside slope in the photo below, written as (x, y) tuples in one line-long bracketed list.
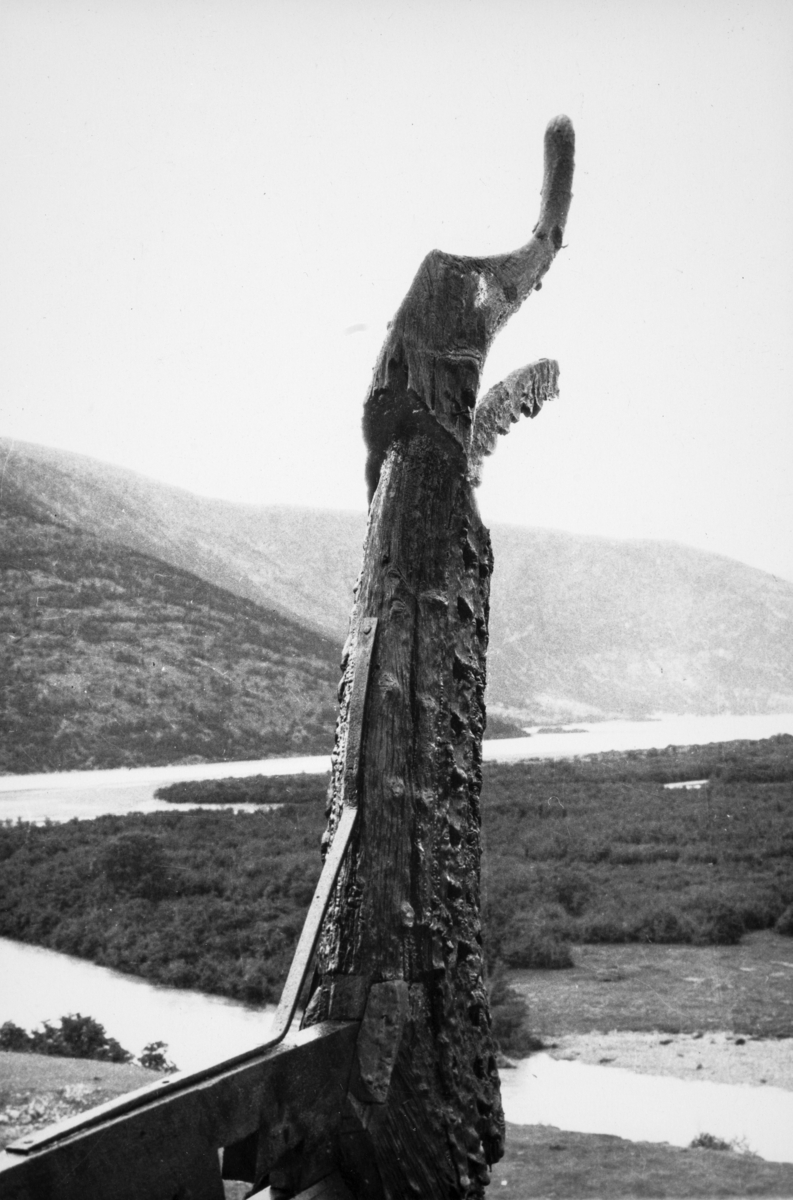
[(111, 658), (580, 626), (302, 562), (591, 626)]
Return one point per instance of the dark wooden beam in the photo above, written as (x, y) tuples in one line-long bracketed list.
[(288, 1097)]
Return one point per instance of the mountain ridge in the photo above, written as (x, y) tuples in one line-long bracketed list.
[(581, 626)]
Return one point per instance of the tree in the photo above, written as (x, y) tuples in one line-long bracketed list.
[(401, 949), (153, 1058), (76, 1037), (136, 864)]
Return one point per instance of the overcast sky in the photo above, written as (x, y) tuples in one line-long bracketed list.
[(211, 210)]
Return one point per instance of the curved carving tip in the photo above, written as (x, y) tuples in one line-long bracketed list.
[(557, 181), (521, 272), (523, 392), (427, 374)]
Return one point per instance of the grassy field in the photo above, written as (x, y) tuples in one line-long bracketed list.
[(543, 1162), (746, 988)]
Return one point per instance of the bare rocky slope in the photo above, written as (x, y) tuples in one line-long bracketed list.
[(580, 626)]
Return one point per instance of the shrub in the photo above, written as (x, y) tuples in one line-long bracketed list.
[(604, 927), (708, 1141), (716, 923), (14, 1037), (570, 889), (76, 1037), (784, 923), (509, 1017), (761, 907), (663, 925), (135, 863), (153, 1058), (530, 943)]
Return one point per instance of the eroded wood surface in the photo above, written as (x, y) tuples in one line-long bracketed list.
[(423, 1115)]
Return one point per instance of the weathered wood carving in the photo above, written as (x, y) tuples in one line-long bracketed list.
[(401, 948)]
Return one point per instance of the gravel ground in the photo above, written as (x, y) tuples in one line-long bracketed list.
[(716, 1057)]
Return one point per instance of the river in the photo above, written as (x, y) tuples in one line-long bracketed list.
[(43, 985), (61, 796)]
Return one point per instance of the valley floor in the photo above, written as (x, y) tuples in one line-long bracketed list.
[(721, 1014)]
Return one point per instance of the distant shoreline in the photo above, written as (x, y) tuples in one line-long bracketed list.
[(590, 737)]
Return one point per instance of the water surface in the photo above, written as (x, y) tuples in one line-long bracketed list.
[(61, 796), (43, 985), (647, 1108), (40, 984)]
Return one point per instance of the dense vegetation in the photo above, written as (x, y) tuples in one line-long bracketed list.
[(597, 849), (110, 658), (255, 789), (208, 900), (590, 850)]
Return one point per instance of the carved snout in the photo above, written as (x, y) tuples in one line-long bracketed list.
[(427, 376)]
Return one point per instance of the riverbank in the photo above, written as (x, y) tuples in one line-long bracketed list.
[(540, 1160), (722, 1057), (662, 1043)]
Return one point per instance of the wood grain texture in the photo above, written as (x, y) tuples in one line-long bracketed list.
[(522, 393), (423, 1117)]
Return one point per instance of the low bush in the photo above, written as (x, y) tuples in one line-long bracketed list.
[(509, 1018), (709, 1141), (716, 923), (530, 942), (14, 1037), (153, 1058), (784, 923), (662, 924)]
